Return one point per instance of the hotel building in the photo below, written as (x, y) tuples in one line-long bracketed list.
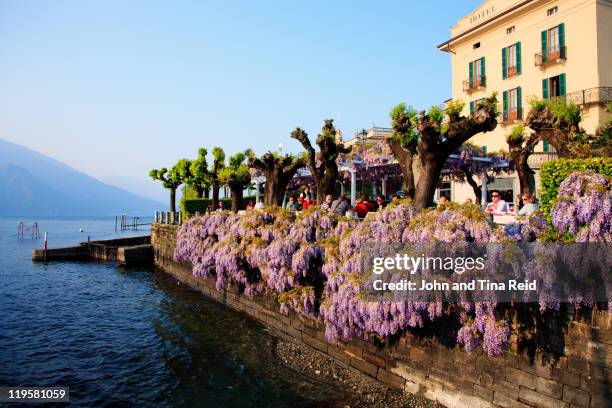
[(525, 48)]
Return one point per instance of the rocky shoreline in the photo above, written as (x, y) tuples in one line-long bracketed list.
[(355, 388)]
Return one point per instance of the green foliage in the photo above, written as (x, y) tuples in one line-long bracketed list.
[(536, 104), (554, 172), (173, 178), (493, 104), (436, 114), (517, 134), (198, 176), (403, 121), (454, 108), (563, 111), (237, 172), (218, 154)]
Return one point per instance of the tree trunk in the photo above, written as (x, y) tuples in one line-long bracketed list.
[(207, 192), (405, 159), (237, 193), (325, 185), (199, 191), (469, 178), (275, 188), (428, 182), (215, 196), (173, 200), (525, 175)]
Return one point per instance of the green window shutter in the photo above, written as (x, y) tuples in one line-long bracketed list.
[(562, 35), (504, 63), (544, 45), (472, 107), (546, 147), (519, 103), (505, 104), (482, 71), (545, 88), (471, 74), (518, 58), (484, 149), (562, 89)]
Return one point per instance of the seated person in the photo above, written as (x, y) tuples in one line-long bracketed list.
[(340, 205), (497, 206), (380, 203), (529, 207), (307, 203), (291, 205), (362, 207), (326, 206)]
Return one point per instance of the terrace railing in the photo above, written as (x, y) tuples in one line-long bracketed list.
[(602, 94), (551, 56), (474, 84)]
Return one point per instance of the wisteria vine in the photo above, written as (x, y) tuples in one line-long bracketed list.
[(311, 262)]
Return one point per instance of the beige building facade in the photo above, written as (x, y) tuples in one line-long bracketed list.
[(531, 48)]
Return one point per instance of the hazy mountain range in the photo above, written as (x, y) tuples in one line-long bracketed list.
[(34, 184)]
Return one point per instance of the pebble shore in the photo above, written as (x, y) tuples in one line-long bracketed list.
[(355, 389)]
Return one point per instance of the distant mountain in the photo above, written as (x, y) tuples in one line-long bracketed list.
[(34, 184)]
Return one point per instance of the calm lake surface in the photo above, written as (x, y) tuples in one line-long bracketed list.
[(130, 336)]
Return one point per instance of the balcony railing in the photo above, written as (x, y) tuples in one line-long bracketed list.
[(512, 115), (511, 72), (536, 160), (551, 56), (474, 84), (590, 96)]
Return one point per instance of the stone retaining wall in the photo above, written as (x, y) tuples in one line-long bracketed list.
[(423, 366)]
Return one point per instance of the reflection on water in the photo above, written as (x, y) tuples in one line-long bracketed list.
[(119, 336)]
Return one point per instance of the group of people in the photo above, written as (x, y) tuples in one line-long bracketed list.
[(339, 206), (499, 206)]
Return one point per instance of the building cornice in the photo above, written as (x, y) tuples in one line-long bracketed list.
[(445, 46)]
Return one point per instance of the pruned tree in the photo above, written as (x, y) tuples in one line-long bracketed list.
[(198, 176), (403, 143), (218, 164), (322, 165), (438, 140), (171, 179), (520, 149), (558, 122), (236, 176), (604, 135), (278, 171)]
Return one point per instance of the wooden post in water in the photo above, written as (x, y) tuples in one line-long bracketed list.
[(45, 252)]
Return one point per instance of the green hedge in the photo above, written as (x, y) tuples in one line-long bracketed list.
[(193, 205), (554, 172)]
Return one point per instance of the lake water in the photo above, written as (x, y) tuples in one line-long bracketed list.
[(124, 336)]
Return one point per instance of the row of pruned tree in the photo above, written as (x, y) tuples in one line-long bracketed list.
[(420, 142)]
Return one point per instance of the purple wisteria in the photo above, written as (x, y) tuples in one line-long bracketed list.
[(312, 262)]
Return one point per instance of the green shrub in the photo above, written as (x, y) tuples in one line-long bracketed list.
[(193, 205), (554, 172)]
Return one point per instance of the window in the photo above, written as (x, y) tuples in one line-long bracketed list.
[(477, 70), (510, 30), (553, 40), (477, 45), (511, 61), (554, 87), (475, 104), (551, 11), (553, 46), (512, 105)]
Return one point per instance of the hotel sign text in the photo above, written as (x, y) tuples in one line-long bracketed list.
[(481, 15)]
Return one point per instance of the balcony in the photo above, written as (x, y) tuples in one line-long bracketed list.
[(590, 96), (511, 116), (550, 57), (536, 160), (474, 84)]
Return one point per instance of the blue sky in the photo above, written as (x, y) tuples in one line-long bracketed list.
[(114, 88)]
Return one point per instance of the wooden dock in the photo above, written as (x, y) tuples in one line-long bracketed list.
[(126, 251)]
